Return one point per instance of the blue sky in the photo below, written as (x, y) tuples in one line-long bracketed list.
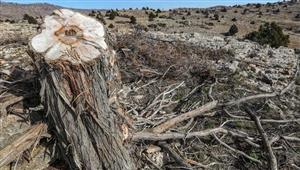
[(163, 4)]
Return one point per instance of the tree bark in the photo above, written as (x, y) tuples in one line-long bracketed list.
[(78, 77)]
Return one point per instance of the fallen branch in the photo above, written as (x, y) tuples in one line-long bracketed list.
[(174, 135), (4, 105), (237, 151), (272, 161), (25, 142), (174, 155), (194, 113)]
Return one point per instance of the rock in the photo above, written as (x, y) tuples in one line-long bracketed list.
[(153, 149), (234, 66)]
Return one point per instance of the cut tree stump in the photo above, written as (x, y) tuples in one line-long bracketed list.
[(78, 77)]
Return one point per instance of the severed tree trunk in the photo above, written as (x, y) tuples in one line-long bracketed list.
[(78, 77)]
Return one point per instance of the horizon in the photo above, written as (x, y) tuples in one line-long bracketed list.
[(120, 4)]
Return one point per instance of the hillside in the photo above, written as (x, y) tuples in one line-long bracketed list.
[(15, 11)]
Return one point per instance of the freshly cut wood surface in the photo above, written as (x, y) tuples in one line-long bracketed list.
[(70, 36)]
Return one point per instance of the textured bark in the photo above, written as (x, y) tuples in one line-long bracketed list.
[(76, 87)]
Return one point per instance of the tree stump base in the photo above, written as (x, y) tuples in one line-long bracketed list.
[(78, 76)]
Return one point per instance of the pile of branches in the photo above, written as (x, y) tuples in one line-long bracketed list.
[(188, 114), (182, 111)]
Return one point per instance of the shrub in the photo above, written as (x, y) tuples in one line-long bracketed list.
[(245, 11), (151, 16), (30, 19), (234, 19), (101, 19), (223, 9), (112, 14), (189, 13), (111, 26), (252, 22), (257, 5), (158, 11), (139, 27), (183, 18), (276, 11), (162, 25), (152, 25), (216, 17), (132, 20), (232, 31), (269, 34)]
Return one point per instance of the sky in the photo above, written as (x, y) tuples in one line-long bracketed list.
[(120, 4)]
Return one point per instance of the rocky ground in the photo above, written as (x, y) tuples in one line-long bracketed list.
[(165, 75)]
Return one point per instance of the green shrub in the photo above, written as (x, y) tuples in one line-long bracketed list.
[(111, 26), (112, 14), (101, 19), (132, 20), (216, 17), (232, 31), (30, 19), (151, 16), (269, 34)]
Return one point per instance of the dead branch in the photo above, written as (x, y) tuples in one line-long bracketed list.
[(272, 158), (25, 142), (194, 113), (173, 154), (152, 136), (4, 105), (237, 151)]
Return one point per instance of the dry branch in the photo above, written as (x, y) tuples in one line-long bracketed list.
[(173, 135), (194, 113), (267, 144), (25, 142)]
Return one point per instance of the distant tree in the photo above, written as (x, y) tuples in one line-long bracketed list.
[(223, 9), (151, 16), (258, 5), (276, 11), (158, 11), (111, 26), (232, 30), (216, 17), (101, 19), (189, 13), (271, 34), (132, 20), (30, 19), (112, 14), (245, 11)]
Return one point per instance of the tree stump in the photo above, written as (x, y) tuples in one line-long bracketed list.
[(78, 77)]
